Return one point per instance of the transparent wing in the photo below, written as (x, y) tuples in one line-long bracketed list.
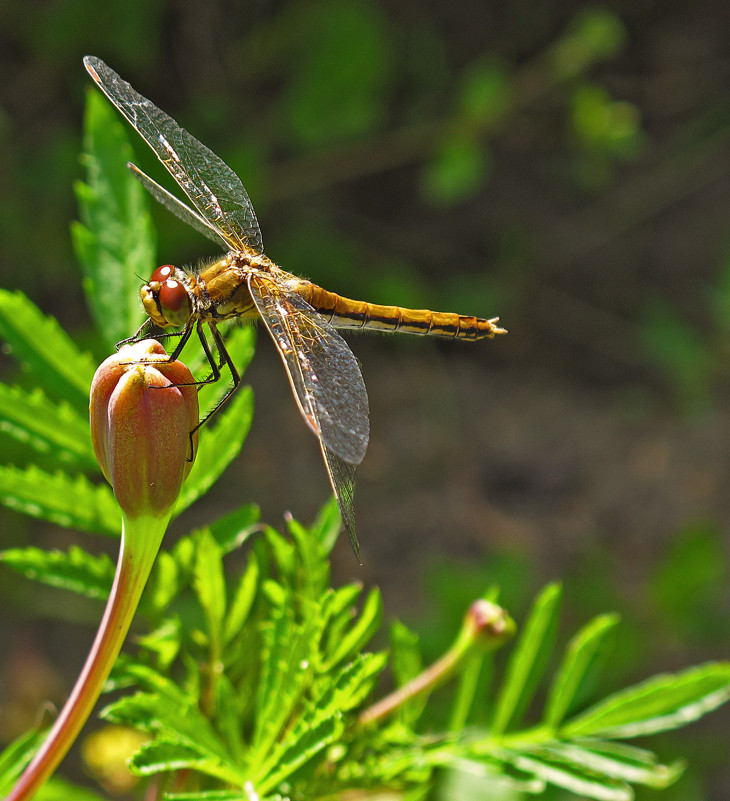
[(326, 381), (212, 186), (176, 206)]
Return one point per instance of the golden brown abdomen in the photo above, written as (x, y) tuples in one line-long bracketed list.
[(347, 313)]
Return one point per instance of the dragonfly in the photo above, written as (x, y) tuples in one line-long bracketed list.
[(244, 283)]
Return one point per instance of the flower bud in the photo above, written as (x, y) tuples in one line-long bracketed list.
[(142, 411)]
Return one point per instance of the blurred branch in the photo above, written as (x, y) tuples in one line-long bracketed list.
[(560, 63)]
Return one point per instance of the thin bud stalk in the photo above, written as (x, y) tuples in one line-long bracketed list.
[(486, 625), (140, 542)]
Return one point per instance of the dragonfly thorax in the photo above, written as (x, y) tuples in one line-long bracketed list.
[(166, 298)]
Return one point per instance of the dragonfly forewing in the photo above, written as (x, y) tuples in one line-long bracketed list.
[(212, 186)]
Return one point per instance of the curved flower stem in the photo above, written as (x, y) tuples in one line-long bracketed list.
[(140, 542), (485, 625)]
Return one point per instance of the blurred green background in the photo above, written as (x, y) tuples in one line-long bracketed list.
[(562, 165)]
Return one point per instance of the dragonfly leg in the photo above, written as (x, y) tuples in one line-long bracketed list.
[(136, 336), (184, 337), (225, 358)]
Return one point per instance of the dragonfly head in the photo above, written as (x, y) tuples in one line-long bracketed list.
[(165, 298)]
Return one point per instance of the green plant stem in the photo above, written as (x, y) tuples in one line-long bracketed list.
[(486, 625), (140, 542)]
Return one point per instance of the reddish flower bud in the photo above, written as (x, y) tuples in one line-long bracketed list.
[(142, 414)]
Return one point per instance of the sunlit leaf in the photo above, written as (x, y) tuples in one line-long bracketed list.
[(528, 659), (173, 717), (573, 778), (73, 570), (233, 529), (42, 347), (115, 241), (315, 569), (361, 632), (62, 499), (328, 524), (323, 720), (406, 664), (663, 702), (15, 756), (617, 761), (284, 673), (209, 583), (47, 426), (58, 789), (583, 650), (219, 445), (243, 599)]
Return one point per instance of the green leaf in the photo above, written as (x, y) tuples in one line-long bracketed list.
[(15, 756), (328, 524), (58, 789), (666, 701), (70, 502), (471, 679), (321, 723), (354, 682), (284, 674), (219, 445), (571, 777), (240, 341), (175, 718), (43, 347), (617, 761), (164, 755), (361, 632), (406, 654), (115, 245), (162, 585), (344, 65), (406, 664), (74, 570), (218, 795), (457, 170), (242, 600), (314, 565), (164, 642), (232, 530), (230, 703), (528, 660), (339, 609), (311, 739), (47, 426), (283, 552), (484, 93), (583, 651), (209, 583)]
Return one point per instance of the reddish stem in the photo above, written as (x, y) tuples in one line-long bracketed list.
[(133, 567)]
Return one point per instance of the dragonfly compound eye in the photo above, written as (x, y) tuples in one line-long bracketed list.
[(174, 302), (161, 274)]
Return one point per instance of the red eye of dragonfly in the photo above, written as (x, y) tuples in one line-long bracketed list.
[(174, 302), (161, 274)]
